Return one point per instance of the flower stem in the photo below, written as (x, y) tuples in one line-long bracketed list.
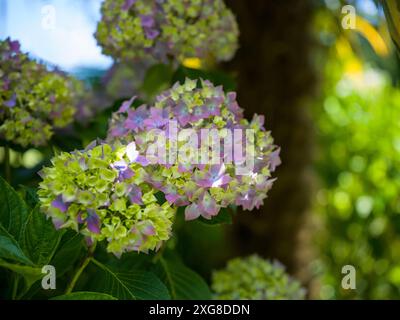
[(80, 269), (7, 168), (158, 255), (15, 287)]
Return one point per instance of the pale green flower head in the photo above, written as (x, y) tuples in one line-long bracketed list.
[(254, 278), (100, 192), (167, 30)]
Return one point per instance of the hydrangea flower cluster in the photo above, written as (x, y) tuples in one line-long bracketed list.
[(204, 188), (33, 100), (102, 192), (254, 278), (167, 29)]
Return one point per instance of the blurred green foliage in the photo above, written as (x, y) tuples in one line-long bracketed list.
[(358, 158), (358, 163)]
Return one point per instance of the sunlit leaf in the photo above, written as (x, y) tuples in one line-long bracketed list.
[(133, 285), (85, 295)]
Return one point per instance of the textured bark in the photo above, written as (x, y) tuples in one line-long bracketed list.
[(275, 78)]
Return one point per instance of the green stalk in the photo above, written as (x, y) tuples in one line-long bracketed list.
[(80, 269), (7, 168), (15, 287), (158, 255)]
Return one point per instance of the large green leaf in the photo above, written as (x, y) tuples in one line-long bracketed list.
[(85, 295), (27, 241), (13, 210), (31, 274), (39, 237), (29, 195), (132, 285), (68, 251), (10, 249), (183, 283)]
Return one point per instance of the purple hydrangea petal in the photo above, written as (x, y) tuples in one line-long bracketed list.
[(151, 33), (172, 197), (208, 206), (192, 212), (93, 222), (136, 117), (258, 120), (182, 201), (60, 204), (149, 230), (15, 46), (147, 21), (275, 160), (127, 174), (12, 102), (118, 131), (222, 181), (215, 177), (142, 160), (158, 118), (135, 195), (181, 112), (200, 112), (184, 167), (126, 105)]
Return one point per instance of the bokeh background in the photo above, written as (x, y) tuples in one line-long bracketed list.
[(331, 98)]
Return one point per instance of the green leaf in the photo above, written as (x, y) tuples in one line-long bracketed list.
[(68, 252), (39, 238), (10, 249), (157, 78), (183, 283), (129, 261), (13, 210), (132, 285), (29, 195), (224, 217), (85, 295), (31, 274)]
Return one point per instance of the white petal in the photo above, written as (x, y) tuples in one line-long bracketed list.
[(131, 152)]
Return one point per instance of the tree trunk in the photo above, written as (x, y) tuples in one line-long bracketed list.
[(275, 78)]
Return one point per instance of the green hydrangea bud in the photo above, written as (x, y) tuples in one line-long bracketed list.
[(33, 100), (100, 192), (257, 279), (167, 29)]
